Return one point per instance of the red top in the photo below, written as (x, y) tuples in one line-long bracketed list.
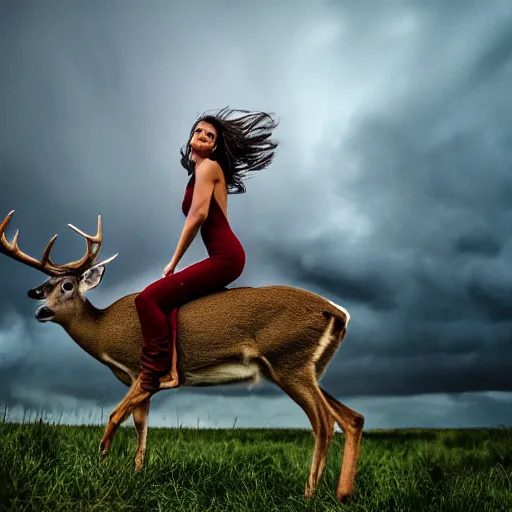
[(219, 239)]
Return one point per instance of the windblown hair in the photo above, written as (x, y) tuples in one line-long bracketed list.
[(243, 145)]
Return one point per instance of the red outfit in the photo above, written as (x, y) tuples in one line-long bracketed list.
[(225, 263)]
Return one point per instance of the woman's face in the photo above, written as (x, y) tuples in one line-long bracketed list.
[(203, 139)]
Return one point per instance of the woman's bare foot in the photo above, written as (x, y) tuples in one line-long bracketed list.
[(169, 381)]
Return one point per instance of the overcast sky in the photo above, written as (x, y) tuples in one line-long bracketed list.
[(391, 192)]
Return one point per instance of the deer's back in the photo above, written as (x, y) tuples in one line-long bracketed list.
[(228, 324)]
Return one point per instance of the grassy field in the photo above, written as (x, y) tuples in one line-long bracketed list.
[(58, 468)]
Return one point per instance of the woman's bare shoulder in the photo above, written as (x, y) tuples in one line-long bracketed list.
[(209, 169)]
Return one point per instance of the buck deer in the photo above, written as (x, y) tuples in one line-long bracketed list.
[(286, 335)]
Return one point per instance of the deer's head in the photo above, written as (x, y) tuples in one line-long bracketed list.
[(62, 293)]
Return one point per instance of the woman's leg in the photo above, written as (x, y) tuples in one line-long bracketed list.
[(155, 329), (156, 301)]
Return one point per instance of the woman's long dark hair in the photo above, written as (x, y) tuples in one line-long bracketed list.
[(243, 145)]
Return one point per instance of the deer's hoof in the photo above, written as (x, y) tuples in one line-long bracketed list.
[(104, 446), (308, 493), (345, 497)]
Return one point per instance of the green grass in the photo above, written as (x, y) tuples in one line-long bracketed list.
[(59, 468)]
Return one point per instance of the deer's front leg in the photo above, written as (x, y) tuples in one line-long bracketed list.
[(135, 396), (140, 419)]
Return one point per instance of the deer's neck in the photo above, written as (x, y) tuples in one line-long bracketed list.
[(84, 328)]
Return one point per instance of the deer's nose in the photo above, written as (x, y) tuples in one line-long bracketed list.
[(35, 293)]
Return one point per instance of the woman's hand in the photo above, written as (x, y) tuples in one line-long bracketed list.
[(169, 269)]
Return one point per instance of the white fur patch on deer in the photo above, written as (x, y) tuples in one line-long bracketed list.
[(109, 361), (224, 374), (343, 310), (326, 339)]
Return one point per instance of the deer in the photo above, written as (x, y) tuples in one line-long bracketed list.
[(282, 334)]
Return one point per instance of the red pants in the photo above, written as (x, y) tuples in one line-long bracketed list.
[(156, 301)]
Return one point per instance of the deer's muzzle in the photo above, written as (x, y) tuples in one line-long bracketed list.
[(44, 313)]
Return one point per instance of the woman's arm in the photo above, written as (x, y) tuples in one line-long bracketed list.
[(206, 176)]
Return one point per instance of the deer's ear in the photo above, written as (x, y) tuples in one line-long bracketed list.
[(91, 278)]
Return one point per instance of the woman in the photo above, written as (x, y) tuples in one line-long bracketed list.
[(220, 152)]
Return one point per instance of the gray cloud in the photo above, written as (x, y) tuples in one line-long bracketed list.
[(390, 193)]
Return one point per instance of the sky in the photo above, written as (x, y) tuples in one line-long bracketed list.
[(389, 193)]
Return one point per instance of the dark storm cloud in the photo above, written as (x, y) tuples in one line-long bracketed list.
[(497, 55), (493, 301), (371, 288), (390, 194), (421, 205), (433, 180), (478, 244)]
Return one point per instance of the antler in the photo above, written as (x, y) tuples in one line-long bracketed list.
[(46, 265)]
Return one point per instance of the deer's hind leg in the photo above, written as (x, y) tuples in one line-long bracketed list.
[(301, 386), (351, 423)]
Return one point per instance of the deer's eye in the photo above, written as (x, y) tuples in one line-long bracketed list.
[(67, 286)]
